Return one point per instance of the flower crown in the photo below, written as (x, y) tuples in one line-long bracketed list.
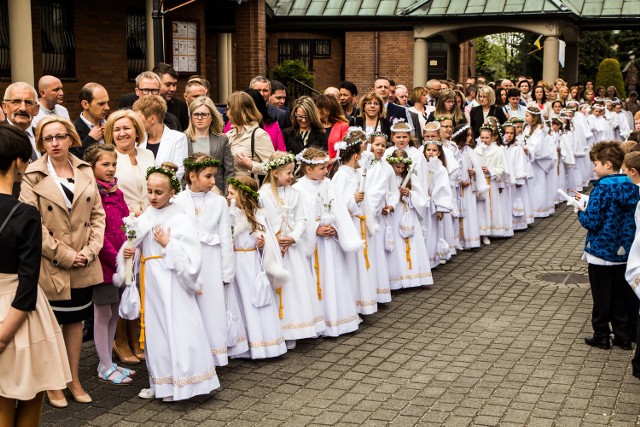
[(173, 179), (515, 120), (460, 131), (487, 127), (508, 124), (240, 186), (300, 158), (200, 164), (406, 160), (397, 122), (378, 134), (343, 145), (270, 165), (353, 129), (444, 118), (534, 112), (433, 141)]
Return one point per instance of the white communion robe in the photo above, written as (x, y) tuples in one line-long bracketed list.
[(521, 206), (177, 348), (210, 213), (632, 273), (323, 205), (302, 312), (542, 156), (469, 229), (490, 213), (439, 199)]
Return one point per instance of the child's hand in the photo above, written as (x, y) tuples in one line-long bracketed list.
[(284, 243), (325, 231), (161, 236), (464, 183), (439, 216), (359, 196), (472, 172), (129, 252), (260, 242), (577, 195), (485, 170), (404, 191)]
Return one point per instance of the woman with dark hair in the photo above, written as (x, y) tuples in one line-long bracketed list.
[(64, 190), (268, 124), (501, 97), (32, 353), (539, 96), (333, 121), (306, 131), (372, 116)]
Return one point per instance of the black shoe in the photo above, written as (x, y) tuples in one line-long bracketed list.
[(625, 345), (602, 343)]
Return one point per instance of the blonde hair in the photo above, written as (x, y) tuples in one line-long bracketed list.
[(121, 114), (246, 202), (151, 105), (310, 109), (488, 92), (69, 127), (217, 123), (311, 153), (270, 178), (242, 110)]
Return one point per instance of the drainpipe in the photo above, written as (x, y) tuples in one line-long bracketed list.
[(376, 53)]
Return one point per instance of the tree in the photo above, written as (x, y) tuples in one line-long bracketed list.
[(290, 70), (594, 47), (609, 74)]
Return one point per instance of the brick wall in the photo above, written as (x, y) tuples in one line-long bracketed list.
[(250, 40), (327, 71)]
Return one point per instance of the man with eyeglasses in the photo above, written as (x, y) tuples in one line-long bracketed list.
[(20, 106), (433, 92), (51, 97), (148, 83), (94, 101)]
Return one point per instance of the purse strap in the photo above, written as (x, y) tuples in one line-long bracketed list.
[(253, 143), (6, 221)]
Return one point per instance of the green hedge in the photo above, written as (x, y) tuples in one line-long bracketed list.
[(609, 74)]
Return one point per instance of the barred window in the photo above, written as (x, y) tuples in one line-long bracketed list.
[(58, 44), (136, 42), (304, 50), (5, 61)]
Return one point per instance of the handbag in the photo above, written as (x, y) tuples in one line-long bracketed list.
[(389, 240), (130, 303), (261, 294), (407, 229)]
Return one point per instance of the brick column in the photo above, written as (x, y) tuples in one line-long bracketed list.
[(251, 43)]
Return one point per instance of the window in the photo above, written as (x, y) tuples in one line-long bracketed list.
[(5, 62), (136, 42), (58, 44), (304, 50)]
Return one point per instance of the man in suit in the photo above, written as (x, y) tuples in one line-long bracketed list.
[(94, 101), (51, 96), (263, 85), (394, 111), (20, 106), (278, 96), (192, 90), (148, 83)]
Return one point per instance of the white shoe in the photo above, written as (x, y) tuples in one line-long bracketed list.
[(459, 248), (167, 399), (291, 344), (486, 240), (147, 393)]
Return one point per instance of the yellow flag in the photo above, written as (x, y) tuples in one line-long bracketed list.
[(537, 43)]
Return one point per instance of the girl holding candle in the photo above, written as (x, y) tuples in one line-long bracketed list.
[(300, 309)]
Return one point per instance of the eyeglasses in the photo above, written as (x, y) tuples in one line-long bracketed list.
[(300, 117), (200, 115), (61, 137), (372, 103), (16, 102), (149, 91)]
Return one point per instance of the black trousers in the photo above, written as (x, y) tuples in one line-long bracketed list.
[(609, 289), (635, 362)]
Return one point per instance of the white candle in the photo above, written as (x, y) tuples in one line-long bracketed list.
[(363, 177), (408, 177), (128, 262)]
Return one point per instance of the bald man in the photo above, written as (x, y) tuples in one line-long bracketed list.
[(51, 97), (333, 91)]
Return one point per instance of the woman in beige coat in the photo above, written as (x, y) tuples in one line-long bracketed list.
[(63, 188)]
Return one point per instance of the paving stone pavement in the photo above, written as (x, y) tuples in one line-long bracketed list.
[(490, 344)]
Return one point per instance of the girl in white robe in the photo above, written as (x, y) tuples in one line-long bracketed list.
[(378, 187), (600, 127), (470, 186), (330, 234), (520, 206), (542, 156), (349, 183), (584, 139), (439, 202), (301, 311), (407, 266), (176, 346), (256, 249), (210, 213), (451, 153), (490, 213)]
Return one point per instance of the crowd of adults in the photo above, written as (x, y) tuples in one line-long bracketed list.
[(154, 125)]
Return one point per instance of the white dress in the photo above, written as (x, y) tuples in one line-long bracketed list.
[(584, 140), (521, 207), (362, 278), (302, 312), (177, 348), (542, 156), (469, 228), (451, 150), (264, 330), (491, 219), (439, 199), (505, 187), (408, 265), (210, 213), (323, 205)]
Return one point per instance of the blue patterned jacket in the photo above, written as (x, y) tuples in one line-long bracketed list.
[(609, 218)]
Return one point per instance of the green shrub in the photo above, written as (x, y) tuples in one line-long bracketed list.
[(609, 74), (289, 70)]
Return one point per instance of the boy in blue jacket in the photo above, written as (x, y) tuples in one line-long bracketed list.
[(609, 220)]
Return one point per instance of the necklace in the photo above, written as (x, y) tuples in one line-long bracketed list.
[(283, 198)]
